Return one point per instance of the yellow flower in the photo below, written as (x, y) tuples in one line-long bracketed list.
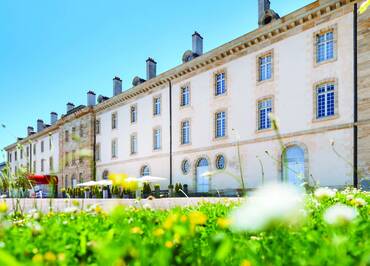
[(75, 203), (246, 263), (171, 219), (38, 258), (61, 257), (184, 218), (3, 207), (197, 217), (158, 232), (168, 244), (49, 256), (176, 238), (136, 230), (98, 209), (118, 179), (223, 222)]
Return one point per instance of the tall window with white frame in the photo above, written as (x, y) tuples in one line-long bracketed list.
[(220, 83), (97, 126), (220, 124), (133, 143), (42, 165), (114, 148), (324, 46), (157, 139), (51, 164), (97, 152), (325, 100), (265, 67), (42, 146), (114, 120), (185, 132), (157, 105), (133, 114), (185, 96), (264, 110)]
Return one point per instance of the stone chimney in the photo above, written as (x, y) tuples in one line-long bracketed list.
[(30, 130), (91, 98), (70, 106), (53, 118), (265, 14), (197, 44), (151, 68), (117, 86), (40, 125)]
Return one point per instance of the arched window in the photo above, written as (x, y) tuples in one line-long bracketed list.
[(145, 171)]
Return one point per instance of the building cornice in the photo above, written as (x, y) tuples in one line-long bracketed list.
[(63, 120), (233, 49)]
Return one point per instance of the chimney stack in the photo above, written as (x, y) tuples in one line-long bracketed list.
[(197, 44), (30, 130), (40, 125), (263, 6), (70, 106), (53, 118), (151, 68), (117, 86), (91, 100), (265, 14)]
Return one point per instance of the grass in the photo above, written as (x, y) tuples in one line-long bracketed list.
[(198, 235)]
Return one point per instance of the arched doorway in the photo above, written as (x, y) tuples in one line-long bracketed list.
[(202, 166), (74, 181), (294, 165), (145, 171), (105, 174)]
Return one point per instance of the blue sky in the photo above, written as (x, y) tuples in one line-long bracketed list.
[(53, 52)]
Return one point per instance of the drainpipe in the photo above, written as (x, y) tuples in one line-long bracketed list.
[(355, 99), (170, 102), (94, 145)]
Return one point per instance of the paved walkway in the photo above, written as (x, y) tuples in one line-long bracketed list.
[(109, 204)]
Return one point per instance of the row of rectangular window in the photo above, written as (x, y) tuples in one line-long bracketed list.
[(42, 149), (42, 165), (325, 108)]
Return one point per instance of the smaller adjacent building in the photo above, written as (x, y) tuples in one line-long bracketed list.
[(61, 149)]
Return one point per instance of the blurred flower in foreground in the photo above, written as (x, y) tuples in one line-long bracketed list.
[(273, 203), (3, 207), (364, 6), (339, 214), (359, 202), (324, 193)]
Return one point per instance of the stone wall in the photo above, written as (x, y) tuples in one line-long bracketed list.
[(82, 166)]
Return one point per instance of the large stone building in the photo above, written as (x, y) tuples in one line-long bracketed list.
[(212, 112)]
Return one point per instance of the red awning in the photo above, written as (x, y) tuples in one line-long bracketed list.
[(43, 179)]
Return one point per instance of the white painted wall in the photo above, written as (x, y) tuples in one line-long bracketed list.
[(292, 88), (52, 151)]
